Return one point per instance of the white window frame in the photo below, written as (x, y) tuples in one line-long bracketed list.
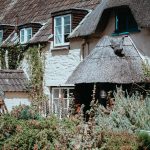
[(60, 97), (1, 40), (62, 30), (25, 35)]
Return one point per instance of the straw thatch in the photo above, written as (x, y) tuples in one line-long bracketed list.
[(139, 8), (20, 12), (109, 63), (13, 81)]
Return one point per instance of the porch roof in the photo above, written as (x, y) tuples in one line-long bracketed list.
[(104, 66)]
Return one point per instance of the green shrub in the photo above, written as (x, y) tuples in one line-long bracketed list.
[(114, 131), (129, 114), (25, 112), (144, 139)]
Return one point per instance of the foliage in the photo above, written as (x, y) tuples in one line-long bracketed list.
[(25, 112), (52, 133), (11, 56), (146, 68), (129, 114), (144, 139), (35, 61), (112, 131)]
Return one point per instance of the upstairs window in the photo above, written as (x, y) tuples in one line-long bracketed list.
[(125, 21), (62, 28), (1, 36), (25, 35)]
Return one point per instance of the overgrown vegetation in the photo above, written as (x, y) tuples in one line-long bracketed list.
[(118, 130), (11, 56), (36, 64)]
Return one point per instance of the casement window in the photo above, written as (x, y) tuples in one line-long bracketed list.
[(25, 35), (1, 36), (60, 100), (125, 21), (62, 28)]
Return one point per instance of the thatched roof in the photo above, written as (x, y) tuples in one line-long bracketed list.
[(139, 8), (13, 81), (38, 11), (104, 65)]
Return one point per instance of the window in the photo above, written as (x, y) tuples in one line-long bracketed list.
[(125, 21), (25, 35), (62, 28), (1, 36), (60, 100)]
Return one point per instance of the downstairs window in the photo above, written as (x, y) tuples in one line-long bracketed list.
[(60, 100)]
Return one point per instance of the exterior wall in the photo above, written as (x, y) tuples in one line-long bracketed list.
[(141, 39), (59, 64), (13, 99), (85, 46)]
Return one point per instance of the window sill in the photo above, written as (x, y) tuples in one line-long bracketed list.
[(124, 33), (60, 48)]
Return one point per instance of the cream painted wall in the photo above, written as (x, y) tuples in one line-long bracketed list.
[(13, 99), (141, 39)]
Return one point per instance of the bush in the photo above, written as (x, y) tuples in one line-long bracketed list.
[(25, 112), (104, 131), (144, 139), (129, 114)]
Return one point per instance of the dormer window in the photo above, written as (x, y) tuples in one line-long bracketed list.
[(62, 28), (1, 36), (25, 35), (125, 21)]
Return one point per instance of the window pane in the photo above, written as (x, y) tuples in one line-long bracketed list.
[(64, 93), (67, 29), (132, 25), (29, 31), (58, 21), (66, 38), (22, 36), (29, 37), (1, 36), (29, 34), (67, 20), (56, 93), (65, 103), (71, 92), (56, 106), (58, 39), (58, 30)]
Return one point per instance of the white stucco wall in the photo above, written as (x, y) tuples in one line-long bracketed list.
[(59, 65)]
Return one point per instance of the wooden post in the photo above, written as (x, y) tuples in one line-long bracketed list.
[(3, 108)]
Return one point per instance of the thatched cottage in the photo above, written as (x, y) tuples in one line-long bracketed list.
[(88, 23), (116, 43), (46, 24)]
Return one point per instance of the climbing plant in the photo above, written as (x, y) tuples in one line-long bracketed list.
[(36, 66), (11, 56)]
